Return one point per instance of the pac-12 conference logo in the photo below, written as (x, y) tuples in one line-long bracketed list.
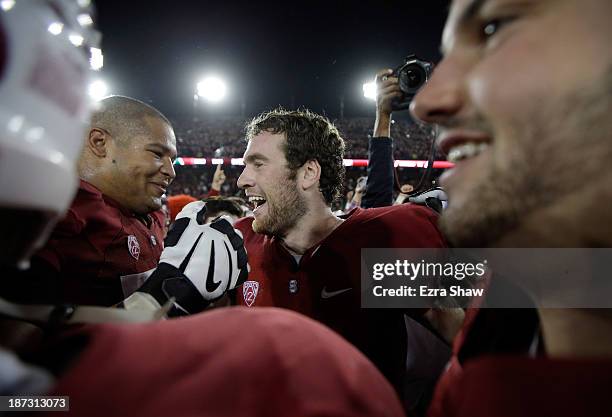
[(133, 246), (249, 292)]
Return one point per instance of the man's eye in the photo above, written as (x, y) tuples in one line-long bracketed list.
[(157, 155), (493, 26), (490, 28), (257, 164)]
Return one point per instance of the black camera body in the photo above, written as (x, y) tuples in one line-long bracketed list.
[(412, 75)]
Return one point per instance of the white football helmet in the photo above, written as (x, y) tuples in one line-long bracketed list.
[(44, 111)]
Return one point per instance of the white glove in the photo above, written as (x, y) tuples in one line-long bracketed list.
[(436, 192), (434, 198), (200, 262)]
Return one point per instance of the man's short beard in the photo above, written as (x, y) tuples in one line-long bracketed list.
[(284, 210), (565, 153)]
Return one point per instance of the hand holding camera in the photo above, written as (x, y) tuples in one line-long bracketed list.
[(395, 89), (387, 91), (411, 76)]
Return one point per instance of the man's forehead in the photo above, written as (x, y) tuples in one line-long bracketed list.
[(157, 132), (265, 141), (459, 12), (465, 12), (159, 129)]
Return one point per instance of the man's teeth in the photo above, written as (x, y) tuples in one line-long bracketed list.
[(256, 201), (465, 150)]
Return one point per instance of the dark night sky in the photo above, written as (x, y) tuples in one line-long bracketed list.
[(306, 53)]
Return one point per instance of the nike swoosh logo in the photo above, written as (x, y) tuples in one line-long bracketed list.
[(329, 294), (185, 262), (211, 285)]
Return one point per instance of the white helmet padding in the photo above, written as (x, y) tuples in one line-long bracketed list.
[(44, 106)]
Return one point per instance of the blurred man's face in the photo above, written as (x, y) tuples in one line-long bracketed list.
[(523, 100), (142, 168), (270, 187)]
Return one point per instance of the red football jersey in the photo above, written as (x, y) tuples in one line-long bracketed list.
[(325, 284), (487, 332), (230, 362), (101, 251), (520, 386)]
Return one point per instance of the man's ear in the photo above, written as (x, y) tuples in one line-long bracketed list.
[(310, 174), (98, 142)]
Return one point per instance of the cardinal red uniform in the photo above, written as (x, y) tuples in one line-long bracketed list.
[(101, 252), (230, 362), (325, 282), (520, 386)]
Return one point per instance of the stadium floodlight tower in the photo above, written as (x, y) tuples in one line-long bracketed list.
[(211, 89)]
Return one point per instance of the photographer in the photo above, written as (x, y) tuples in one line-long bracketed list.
[(395, 90), (379, 188)]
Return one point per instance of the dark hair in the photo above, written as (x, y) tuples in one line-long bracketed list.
[(216, 205), (308, 136)]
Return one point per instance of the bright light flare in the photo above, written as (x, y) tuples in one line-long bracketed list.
[(7, 5), (96, 59), (84, 20), (76, 39), (211, 89), (55, 28), (98, 89), (369, 90)]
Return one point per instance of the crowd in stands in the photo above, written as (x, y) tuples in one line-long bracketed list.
[(224, 137), (202, 137), (195, 180)]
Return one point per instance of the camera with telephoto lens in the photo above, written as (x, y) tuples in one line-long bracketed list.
[(412, 75)]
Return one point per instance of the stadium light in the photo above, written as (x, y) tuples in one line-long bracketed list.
[(84, 20), (7, 4), (55, 28), (211, 88), (98, 89), (76, 39), (96, 59), (369, 90)]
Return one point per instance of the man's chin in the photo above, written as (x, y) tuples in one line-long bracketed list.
[(476, 227), (153, 204), (260, 227), (459, 232)]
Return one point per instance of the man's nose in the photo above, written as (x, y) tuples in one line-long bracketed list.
[(245, 179), (168, 169), (443, 95)]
